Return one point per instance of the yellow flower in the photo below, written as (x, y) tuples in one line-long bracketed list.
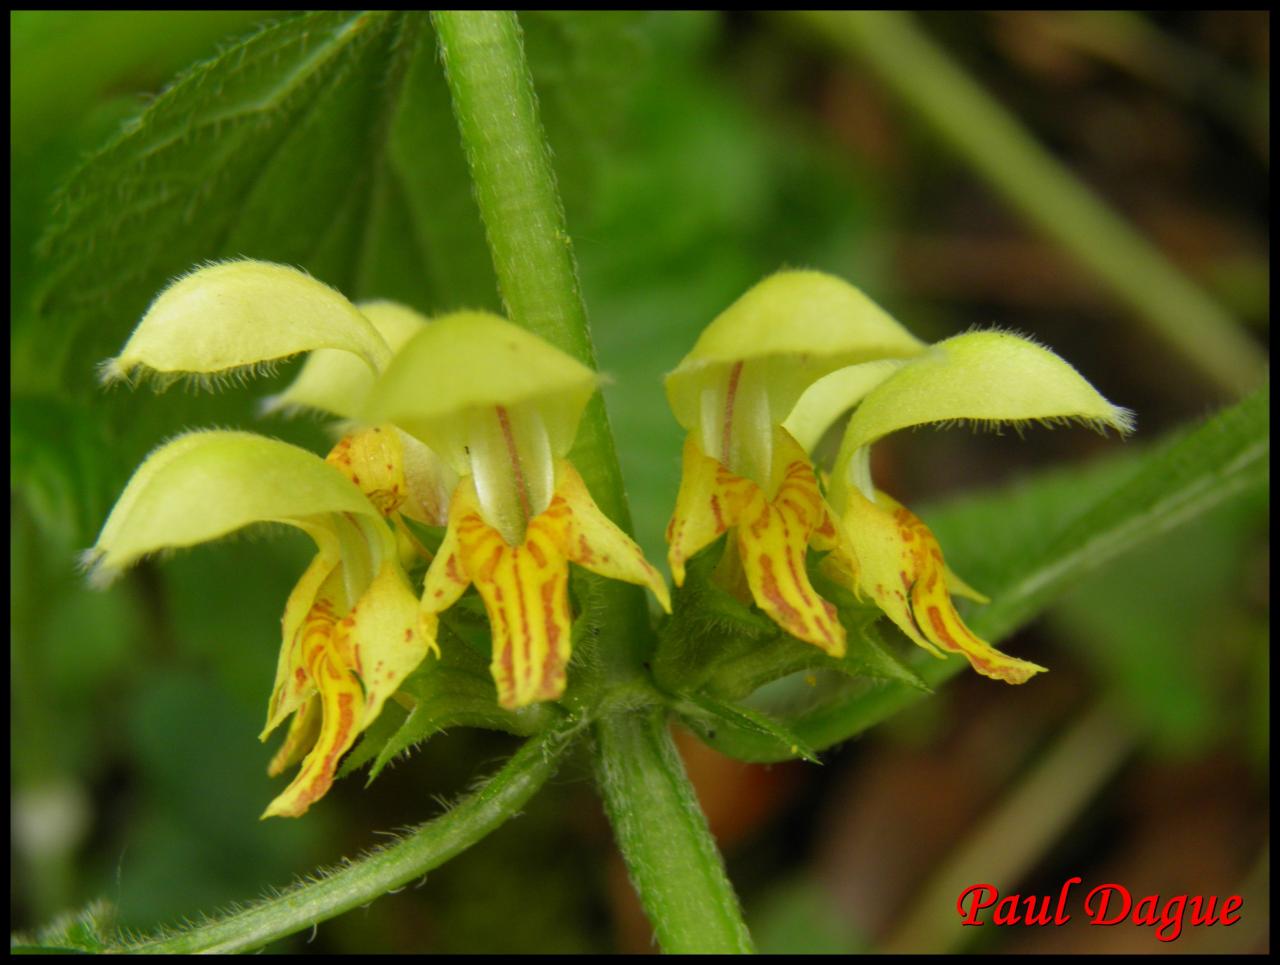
[(502, 408), (350, 632), (742, 470), (987, 377)]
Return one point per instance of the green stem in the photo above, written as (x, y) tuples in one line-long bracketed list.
[(497, 113), (985, 135), (384, 870), (660, 828), (663, 835)]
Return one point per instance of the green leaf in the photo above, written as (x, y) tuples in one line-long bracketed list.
[(80, 932), (61, 462), (1224, 457), (1180, 659), (301, 145), (1036, 541), (248, 154), (707, 716), (585, 66)]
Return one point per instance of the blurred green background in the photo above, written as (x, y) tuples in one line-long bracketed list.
[(696, 153)]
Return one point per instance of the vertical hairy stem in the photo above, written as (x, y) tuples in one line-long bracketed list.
[(663, 835), (497, 113), (660, 828)]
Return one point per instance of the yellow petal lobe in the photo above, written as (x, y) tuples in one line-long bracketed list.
[(711, 499), (589, 538), (316, 589), (303, 731), (525, 588), (773, 534), (773, 537), (385, 640), (342, 707), (902, 569), (373, 459)]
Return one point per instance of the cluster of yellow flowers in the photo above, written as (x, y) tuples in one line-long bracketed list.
[(465, 421)]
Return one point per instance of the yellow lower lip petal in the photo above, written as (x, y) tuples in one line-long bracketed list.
[(710, 500), (342, 709), (773, 539), (902, 569)]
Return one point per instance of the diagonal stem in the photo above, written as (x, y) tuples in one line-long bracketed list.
[(384, 870), (994, 144)]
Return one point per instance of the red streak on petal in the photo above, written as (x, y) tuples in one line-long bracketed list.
[(730, 395), (346, 719), (719, 515), (522, 487), (940, 628), (791, 617), (526, 644), (550, 606), (539, 558), (452, 569)]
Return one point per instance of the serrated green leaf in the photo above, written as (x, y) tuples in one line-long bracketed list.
[(286, 147), (250, 151), (374, 738), (87, 931), (707, 716), (869, 655)]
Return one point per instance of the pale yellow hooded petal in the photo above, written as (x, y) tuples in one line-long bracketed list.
[(790, 329), (238, 314), (205, 485), (470, 363), (338, 382), (985, 377)]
